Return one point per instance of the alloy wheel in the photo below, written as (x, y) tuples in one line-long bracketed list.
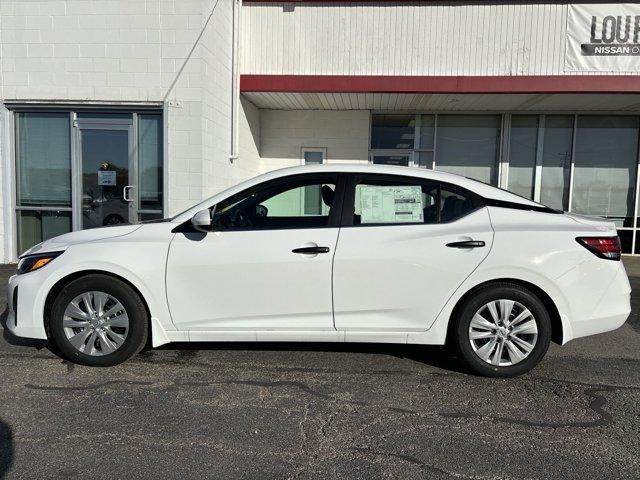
[(95, 323), (503, 332)]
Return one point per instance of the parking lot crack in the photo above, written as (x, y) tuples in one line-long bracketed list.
[(85, 387)]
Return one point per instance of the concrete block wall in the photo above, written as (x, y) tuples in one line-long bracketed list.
[(249, 161), (217, 81), (284, 133), (174, 54)]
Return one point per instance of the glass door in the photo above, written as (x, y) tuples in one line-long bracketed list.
[(107, 171)]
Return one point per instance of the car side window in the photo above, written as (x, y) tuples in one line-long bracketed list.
[(395, 201), (385, 200), (305, 202), (454, 205)]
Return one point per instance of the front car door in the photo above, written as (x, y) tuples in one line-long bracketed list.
[(266, 264), (393, 270)]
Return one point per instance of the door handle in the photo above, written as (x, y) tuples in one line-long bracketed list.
[(125, 190), (311, 250), (466, 244)]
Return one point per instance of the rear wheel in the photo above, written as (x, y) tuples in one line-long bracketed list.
[(98, 320), (502, 330)]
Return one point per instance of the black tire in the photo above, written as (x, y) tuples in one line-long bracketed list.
[(135, 308), (483, 296)]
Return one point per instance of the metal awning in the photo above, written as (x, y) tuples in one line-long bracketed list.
[(560, 102)]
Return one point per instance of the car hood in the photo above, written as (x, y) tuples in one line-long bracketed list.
[(62, 242)]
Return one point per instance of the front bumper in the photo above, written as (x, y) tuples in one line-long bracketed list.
[(26, 306)]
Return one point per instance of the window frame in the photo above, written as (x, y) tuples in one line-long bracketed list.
[(322, 150), (334, 213), (354, 179), (74, 111)]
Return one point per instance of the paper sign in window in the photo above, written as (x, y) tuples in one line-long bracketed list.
[(391, 204), (106, 178)]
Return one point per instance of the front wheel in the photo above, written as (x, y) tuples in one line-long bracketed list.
[(98, 320), (502, 330)]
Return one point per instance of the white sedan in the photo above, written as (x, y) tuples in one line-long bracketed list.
[(332, 253)]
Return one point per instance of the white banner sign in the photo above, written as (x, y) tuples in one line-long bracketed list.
[(603, 37)]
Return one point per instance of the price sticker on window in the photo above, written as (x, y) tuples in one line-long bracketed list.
[(391, 204)]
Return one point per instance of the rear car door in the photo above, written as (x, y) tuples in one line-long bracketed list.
[(406, 244)]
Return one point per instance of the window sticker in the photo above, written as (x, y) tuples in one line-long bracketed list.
[(391, 204)]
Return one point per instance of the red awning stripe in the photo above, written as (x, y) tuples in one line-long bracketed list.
[(441, 84)]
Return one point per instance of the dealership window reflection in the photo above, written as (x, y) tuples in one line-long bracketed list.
[(43, 176), (606, 158)]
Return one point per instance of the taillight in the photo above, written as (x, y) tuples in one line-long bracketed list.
[(603, 247)]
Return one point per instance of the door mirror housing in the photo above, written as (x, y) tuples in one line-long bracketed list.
[(201, 221)]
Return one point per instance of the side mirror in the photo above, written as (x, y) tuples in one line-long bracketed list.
[(201, 221)]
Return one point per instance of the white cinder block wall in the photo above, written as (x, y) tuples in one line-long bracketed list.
[(249, 161), (176, 54), (284, 133)]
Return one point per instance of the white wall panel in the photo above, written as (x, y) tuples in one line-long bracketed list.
[(434, 38), (284, 133)]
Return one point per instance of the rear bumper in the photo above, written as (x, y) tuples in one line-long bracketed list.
[(611, 311)]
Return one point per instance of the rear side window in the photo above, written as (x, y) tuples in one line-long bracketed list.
[(389, 200), (454, 205)]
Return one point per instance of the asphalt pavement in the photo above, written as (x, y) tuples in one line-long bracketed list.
[(322, 411)]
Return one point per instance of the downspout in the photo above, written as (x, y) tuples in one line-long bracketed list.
[(235, 79)]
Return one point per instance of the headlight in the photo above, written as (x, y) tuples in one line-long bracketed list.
[(32, 263)]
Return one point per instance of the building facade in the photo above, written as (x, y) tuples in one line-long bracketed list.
[(117, 111)]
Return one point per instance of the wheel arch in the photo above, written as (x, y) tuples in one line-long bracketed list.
[(557, 332), (66, 280)]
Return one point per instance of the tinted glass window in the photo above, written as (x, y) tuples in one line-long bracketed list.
[(301, 203), (43, 156), (454, 205), (392, 131), (605, 167), (469, 145), (523, 146), (386, 201)]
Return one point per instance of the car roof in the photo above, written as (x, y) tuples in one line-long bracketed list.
[(482, 189)]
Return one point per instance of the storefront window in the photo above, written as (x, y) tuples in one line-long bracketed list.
[(556, 161), (523, 146), (392, 131), (427, 132), (35, 226), (150, 167), (108, 152), (398, 160), (596, 176), (468, 145), (43, 177), (606, 156), (43, 159)]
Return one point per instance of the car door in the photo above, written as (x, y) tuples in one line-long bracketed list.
[(266, 264), (405, 246)]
